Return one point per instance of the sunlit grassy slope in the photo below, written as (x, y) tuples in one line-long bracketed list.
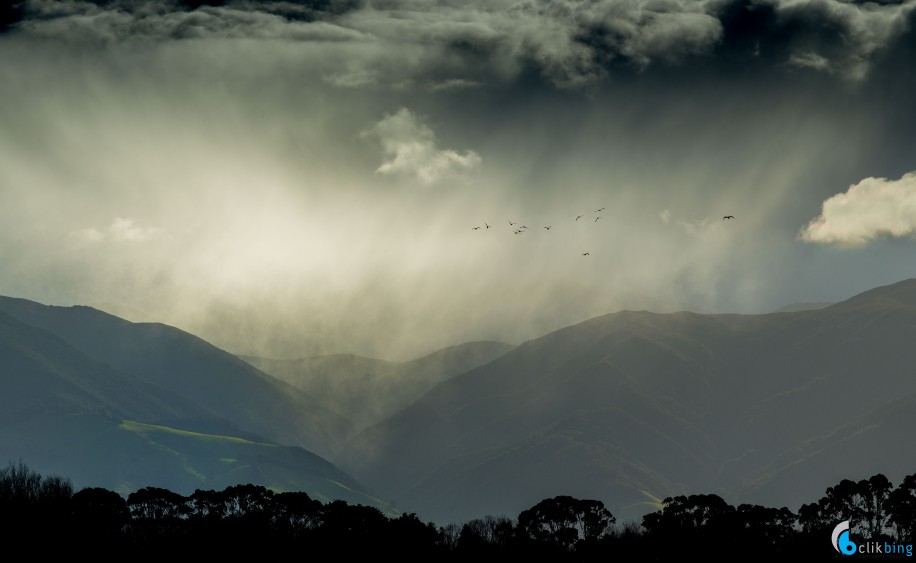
[(98, 450)]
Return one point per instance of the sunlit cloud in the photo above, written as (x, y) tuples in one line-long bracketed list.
[(413, 150), (870, 209)]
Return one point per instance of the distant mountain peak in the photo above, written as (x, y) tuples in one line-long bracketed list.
[(900, 293)]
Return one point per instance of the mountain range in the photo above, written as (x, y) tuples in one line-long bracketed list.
[(627, 408), (368, 390), (123, 405), (634, 406)]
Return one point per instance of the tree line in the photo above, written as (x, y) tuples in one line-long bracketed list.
[(44, 513)]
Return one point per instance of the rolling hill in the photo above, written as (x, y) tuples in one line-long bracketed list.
[(102, 451), (43, 373), (194, 370), (635, 405), (64, 411)]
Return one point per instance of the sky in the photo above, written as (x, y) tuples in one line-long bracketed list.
[(298, 178)]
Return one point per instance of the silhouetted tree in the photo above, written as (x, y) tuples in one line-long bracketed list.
[(564, 520), (251, 521), (98, 524), (862, 503), (25, 494), (449, 535), (485, 535), (352, 530), (247, 501), (699, 520), (412, 536), (153, 503), (21, 485), (296, 513), (32, 506), (769, 529), (901, 508), (100, 511), (870, 501), (206, 506)]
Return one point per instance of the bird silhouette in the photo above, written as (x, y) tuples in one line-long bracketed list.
[(599, 210), (548, 228), (585, 254), (523, 227), (579, 217), (488, 226), (476, 229), (596, 218), (510, 223), (728, 217)]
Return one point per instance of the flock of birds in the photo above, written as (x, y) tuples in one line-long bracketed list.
[(518, 230)]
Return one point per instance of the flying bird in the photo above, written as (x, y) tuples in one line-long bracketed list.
[(585, 254), (476, 229), (579, 217), (548, 228), (596, 218), (488, 226), (599, 210), (510, 223), (728, 217), (523, 227)]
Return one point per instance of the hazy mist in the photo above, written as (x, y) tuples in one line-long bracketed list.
[(286, 179)]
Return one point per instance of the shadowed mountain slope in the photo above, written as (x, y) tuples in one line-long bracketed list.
[(367, 390), (194, 370), (635, 405), (63, 411), (101, 451)]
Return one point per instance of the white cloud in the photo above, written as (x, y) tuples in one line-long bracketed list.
[(413, 151), (120, 230), (872, 208)]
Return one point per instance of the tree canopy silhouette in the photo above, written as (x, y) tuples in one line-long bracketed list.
[(251, 520)]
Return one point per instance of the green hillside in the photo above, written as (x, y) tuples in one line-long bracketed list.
[(97, 450), (194, 370)]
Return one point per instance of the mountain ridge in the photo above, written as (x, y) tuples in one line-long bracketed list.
[(734, 391), (194, 369)]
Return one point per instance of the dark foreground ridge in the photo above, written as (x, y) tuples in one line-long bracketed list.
[(45, 515)]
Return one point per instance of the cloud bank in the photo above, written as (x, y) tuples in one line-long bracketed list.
[(872, 208), (413, 151), (568, 43)]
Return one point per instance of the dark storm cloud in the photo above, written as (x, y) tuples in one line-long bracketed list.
[(822, 35), (105, 22), (569, 44)]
